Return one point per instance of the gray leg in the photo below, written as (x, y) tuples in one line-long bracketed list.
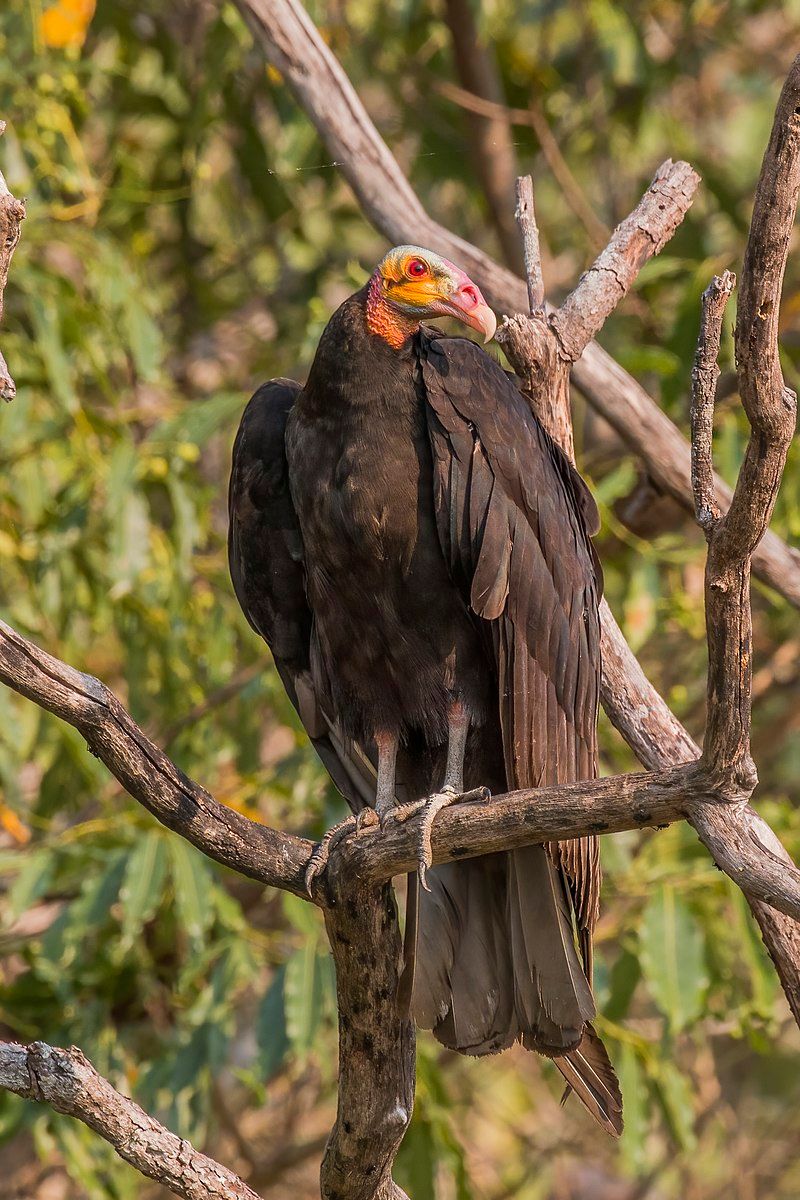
[(385, 801), (457, 730), (452, 789), (387, 744)]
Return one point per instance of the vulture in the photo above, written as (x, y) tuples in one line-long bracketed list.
[(416, 552)]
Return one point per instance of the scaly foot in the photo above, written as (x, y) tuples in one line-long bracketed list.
[(336, 834), (430, 807)]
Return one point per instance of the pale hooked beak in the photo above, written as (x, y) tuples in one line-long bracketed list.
[(467, 304)]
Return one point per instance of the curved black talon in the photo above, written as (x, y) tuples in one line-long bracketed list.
[(351, 825), (430, 807)]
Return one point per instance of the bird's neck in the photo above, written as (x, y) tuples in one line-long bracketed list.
[(384, 319)]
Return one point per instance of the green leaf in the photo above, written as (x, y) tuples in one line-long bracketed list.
[(142, 884), (271, 1036), (633, 1086), (32, 882), (303, 997), (672, 953), (622, 983), (675, 1096), (415, 1166), (191, 880)]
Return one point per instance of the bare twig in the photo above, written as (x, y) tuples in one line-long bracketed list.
[(525, 215), (293, 45), (705, 374), (68, 1082)]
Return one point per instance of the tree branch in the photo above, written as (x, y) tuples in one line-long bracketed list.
[(68, 1082), (280, 859), (641, 235), (525, 215), (376, 1044), (771, 409), (143, 769), (705, 374), (292, 44)]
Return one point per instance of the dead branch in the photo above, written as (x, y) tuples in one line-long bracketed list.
[(292, 44), (280, 859), (633, 704), (771, 409), (705, 374), (525, 215), (68, 1082), (143, 769), (641, 235)]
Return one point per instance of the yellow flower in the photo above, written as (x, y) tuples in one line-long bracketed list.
[(66, 23)]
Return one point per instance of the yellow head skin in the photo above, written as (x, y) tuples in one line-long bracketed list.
[(411, 284)]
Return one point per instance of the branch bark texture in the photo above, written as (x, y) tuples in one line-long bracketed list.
[(67, 1081)]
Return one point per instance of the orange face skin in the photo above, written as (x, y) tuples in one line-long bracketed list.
[(411, 284)]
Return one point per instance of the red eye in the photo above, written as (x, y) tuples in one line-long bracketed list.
[(416, 268)]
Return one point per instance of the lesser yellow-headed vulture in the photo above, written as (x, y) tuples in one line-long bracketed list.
[(417, 553)]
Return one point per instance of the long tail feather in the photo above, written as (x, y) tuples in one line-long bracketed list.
[(590, 1075), (405, 987)]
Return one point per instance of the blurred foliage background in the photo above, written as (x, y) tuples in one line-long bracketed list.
[(187, 238)]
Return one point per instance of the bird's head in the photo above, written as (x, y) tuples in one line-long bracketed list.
[(411, 284)]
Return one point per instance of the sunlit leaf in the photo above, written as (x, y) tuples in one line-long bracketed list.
[(672, 954)]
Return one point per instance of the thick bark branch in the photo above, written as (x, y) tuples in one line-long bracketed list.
[(377, 1046), (741, 843), (293, 45), (277, 859), (68, 1082)]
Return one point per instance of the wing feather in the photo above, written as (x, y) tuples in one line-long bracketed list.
[(526, 564), (265, 554)]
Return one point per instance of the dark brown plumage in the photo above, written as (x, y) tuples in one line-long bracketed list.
[(448, 569)]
